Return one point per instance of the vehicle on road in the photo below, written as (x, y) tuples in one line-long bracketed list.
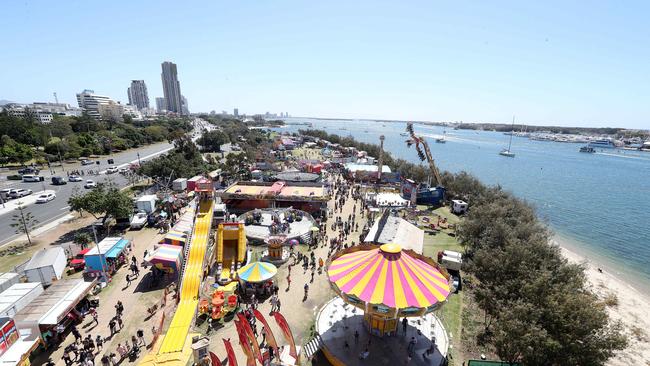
[(46, 197), (111, 169), (74, 178), (28, 170), (78, 263), (32, 178), (20, 192), (90, 184), (87, 162), (58, 181), (124, 170), (139, 220)]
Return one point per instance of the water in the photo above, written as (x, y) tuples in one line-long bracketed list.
[(598, 204)]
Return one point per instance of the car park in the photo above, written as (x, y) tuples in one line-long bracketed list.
[(20, 192), (74, 178), (46, 197), (90, 184)]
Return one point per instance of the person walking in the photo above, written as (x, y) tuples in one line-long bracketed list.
[(95, 316), (306, 292), (100, 342), (140, 334), (356, 337)]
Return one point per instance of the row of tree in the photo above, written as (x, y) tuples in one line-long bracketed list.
[(24, 139)]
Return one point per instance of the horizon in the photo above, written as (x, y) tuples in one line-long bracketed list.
[(551, 64)]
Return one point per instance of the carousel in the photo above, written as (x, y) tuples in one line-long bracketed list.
[(382, 290)]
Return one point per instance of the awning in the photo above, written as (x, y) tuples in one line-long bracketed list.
[(166, 256), (117, 248)]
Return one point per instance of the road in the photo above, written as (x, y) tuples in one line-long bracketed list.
[(58, 208)]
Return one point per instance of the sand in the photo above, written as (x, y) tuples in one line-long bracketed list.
[(633, 310)]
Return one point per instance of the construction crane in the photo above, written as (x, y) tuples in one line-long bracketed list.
[(380, 161), (422, 148), (56, 99)]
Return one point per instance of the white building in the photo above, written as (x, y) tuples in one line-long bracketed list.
[(91, 102), (24, 111), (161, 105), (138, 95)]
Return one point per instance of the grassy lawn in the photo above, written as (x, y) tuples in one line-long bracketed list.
[(451, 313)]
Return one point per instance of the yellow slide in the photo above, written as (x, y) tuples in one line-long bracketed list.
[(176, 335)]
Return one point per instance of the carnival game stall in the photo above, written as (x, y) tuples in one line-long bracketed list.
[(257, 278), (167, 258), (173, 237), (387, 283)]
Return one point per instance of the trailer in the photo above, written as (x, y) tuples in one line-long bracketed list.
[(179, 184), (16, 297), (8, 279), (46, 266), (191, 183)]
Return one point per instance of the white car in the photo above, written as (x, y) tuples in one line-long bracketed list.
[(74, 178), (111, 169), (90, 184), (21, 192), (46, 197)]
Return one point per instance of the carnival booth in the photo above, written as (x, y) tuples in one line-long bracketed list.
[(257, 278), (107, 256), (388, 283), (174, 237), (167, 258)]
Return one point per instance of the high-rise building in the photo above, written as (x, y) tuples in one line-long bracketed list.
[(161, 105), (185, 109), (90, 102), (138, 95), (236, 112), (171, 87)]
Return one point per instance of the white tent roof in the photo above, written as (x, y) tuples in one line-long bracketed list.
[(398, 231), (16, 292), (54, 303)]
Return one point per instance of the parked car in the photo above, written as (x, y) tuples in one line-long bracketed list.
[(139, 220), (74, 178), (20, 192), (111, 169), (124, 169), (28, 170), (46, 197), (78, 262), (90, 184), (58, 181), (86, 162), (32, 178), (4, 193)]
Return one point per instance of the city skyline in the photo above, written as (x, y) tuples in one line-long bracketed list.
[(549, 64)]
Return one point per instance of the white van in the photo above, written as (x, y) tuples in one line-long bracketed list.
[(31, 178)]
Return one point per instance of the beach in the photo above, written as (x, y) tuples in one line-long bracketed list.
[(632, 308)]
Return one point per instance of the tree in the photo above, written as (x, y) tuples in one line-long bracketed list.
[(82, 239), (23, 221), (211, 141), (105, 200)]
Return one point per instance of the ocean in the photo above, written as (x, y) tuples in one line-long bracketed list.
[(597, 204)]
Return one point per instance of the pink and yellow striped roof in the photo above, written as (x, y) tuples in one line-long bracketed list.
[(391, 277)]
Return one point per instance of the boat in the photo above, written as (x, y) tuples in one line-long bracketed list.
[(587, 149), (602, 144), (441, 139), (507, 152)]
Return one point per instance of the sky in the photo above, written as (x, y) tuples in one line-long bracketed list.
[(570, 63)]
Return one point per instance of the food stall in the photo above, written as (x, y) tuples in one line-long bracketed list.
[(107, 256)]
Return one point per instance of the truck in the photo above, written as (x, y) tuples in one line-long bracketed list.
[(46, 266), (147, 203)]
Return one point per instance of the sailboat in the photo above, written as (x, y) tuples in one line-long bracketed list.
[(441, 139), (507, 152)]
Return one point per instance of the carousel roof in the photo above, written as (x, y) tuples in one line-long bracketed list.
[(387, 275), (257, 272)]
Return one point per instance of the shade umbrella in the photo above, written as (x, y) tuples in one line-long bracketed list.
[(257, 272), (293, 242)]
